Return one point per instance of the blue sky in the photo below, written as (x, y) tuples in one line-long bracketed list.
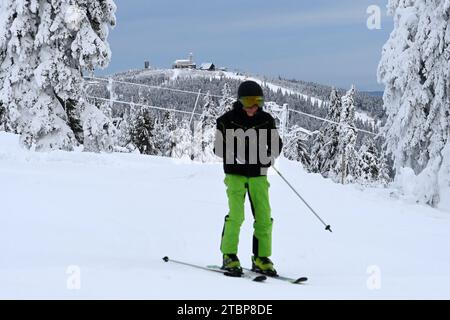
[(324, 41)]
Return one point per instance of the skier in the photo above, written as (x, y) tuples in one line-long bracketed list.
[(240, 136)]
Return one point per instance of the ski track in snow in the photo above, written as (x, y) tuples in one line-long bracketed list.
[(114, 216)]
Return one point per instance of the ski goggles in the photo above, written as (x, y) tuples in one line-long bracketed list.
[(249, 102)]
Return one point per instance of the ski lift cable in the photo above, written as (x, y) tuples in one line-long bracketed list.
[(154, 87), (334, 122), (141, 105), (216, 96)]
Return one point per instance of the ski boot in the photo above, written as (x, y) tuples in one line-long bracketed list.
[(231, 264), (264, 266)]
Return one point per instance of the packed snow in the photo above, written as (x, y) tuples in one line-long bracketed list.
[(82, 225)]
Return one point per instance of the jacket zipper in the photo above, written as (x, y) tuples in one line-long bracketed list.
[(236, 124), (261, 125)]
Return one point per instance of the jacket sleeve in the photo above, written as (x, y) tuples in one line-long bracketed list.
[(220, 143), (273, 154)]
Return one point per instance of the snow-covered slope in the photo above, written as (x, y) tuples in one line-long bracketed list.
[(190, 73), (174, 74), (114, 216)]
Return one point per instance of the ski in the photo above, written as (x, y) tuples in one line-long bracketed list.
[(281, 278), (256, 277), (217, 269)]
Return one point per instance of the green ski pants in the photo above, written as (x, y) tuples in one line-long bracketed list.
[(258, 191)]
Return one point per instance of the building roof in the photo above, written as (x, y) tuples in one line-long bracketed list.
[(207, 66)]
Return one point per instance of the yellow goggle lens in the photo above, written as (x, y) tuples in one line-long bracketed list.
[(249, 102)]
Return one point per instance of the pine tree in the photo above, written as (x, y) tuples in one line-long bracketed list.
[(205, 131), (295, 148), (183, 141), (164, 134), (159, 138), (99, 132), (415, 71), (45, 46), (344, 166), (317, 157), (210, 112), (142, 131), (124, 129), (124, 134), (227, 100), (367, 170), (2, 117), (325, 145), (169, 126), (384, 176)]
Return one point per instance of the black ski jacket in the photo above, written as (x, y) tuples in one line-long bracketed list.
[(237, 119)]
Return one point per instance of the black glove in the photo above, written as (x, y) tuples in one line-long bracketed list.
[(272, 161)]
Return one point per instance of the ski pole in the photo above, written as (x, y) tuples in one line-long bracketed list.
[(327, 226), (166, 259)]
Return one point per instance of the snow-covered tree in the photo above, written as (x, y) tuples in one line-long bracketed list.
[(367, 168), (2, 117), (164, 134), (169, 126), (444, 175), (99, 132), (6, 15), (227, 100), (210, 111), (415, 70), (4, 24), (317, 157), (344, 166), (205, 131), (295, 148), (45, 46), (371, 168), (384, 176), (160, 138), (325, 145), (124, 141), (183, 141), (142, 131)]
